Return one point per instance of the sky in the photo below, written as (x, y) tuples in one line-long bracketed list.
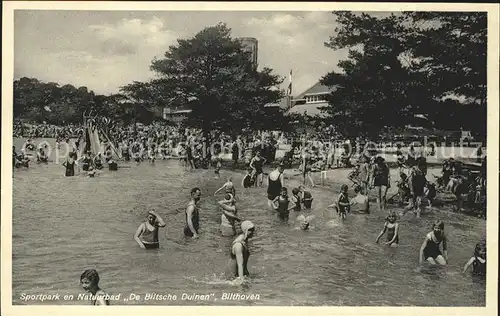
[(104, 50)]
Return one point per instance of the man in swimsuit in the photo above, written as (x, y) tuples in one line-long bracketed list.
[(275, 182), (239, 250), (256, 164), (192, 215), (147, 233)]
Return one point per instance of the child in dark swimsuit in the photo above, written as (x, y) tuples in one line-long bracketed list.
[(306, 198), (91, 172), (249, 179), (430, 247), (69, 164), (478, 261), (296, 199), (392, 228), (281, 204), (89, 281), (342, 206), (112, 165)]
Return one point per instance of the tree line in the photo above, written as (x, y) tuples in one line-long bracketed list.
[(427, 63)]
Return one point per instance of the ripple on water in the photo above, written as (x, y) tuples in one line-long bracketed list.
[(62, 226)]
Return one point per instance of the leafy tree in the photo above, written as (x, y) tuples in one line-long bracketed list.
[(373, 88), (212, 75), (449, 50), (405, 64)]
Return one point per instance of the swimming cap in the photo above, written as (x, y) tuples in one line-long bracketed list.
[(246, 226)]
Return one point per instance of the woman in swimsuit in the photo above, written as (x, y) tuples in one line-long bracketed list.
[(306, 167), (381, 179), (89, 281), (69, 164), (147, 233), (430, 247), (256, 164), (239, 250), (274, 185), (229, 216), (392, 228)]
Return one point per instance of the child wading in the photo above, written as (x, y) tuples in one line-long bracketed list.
[(430, 247), (361, 201), (342, 206), (89, 281), (478, 261), (248, 180), (281, 204), (392, 229)]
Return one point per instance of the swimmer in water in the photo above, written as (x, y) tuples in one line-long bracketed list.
[(228, 186), (342, 206), (89, 281), (392, 229), (218, 166), (304, 222), (306, 198), (147, 233), (256, 164), (281, 204), (248, 180), (361, 201), (430, 247), (275, 181), (296, 199), (239, 250), (478, 261), (229, 216), (193, 215), (91, 172)]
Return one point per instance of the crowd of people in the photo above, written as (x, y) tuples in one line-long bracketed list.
[(370, 171)]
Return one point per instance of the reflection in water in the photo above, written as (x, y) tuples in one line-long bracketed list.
[(62, 226)]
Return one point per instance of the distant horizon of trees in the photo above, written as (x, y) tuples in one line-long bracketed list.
[(397, 67)]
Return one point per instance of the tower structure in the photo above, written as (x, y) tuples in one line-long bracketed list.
[(251, 45)]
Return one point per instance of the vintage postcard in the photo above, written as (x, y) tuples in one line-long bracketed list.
[(334, 158)]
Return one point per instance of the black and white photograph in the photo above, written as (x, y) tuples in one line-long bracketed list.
[(322, 157)]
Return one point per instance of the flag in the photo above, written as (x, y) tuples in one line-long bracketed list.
[(289, 92)]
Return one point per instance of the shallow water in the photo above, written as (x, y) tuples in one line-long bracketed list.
[(62, 226)]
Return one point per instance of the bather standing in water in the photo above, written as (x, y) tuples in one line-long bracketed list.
[(281, 204), (239, 250), (193, 215), (147, 233), (229, 215), (275, 182), (70, 164)]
